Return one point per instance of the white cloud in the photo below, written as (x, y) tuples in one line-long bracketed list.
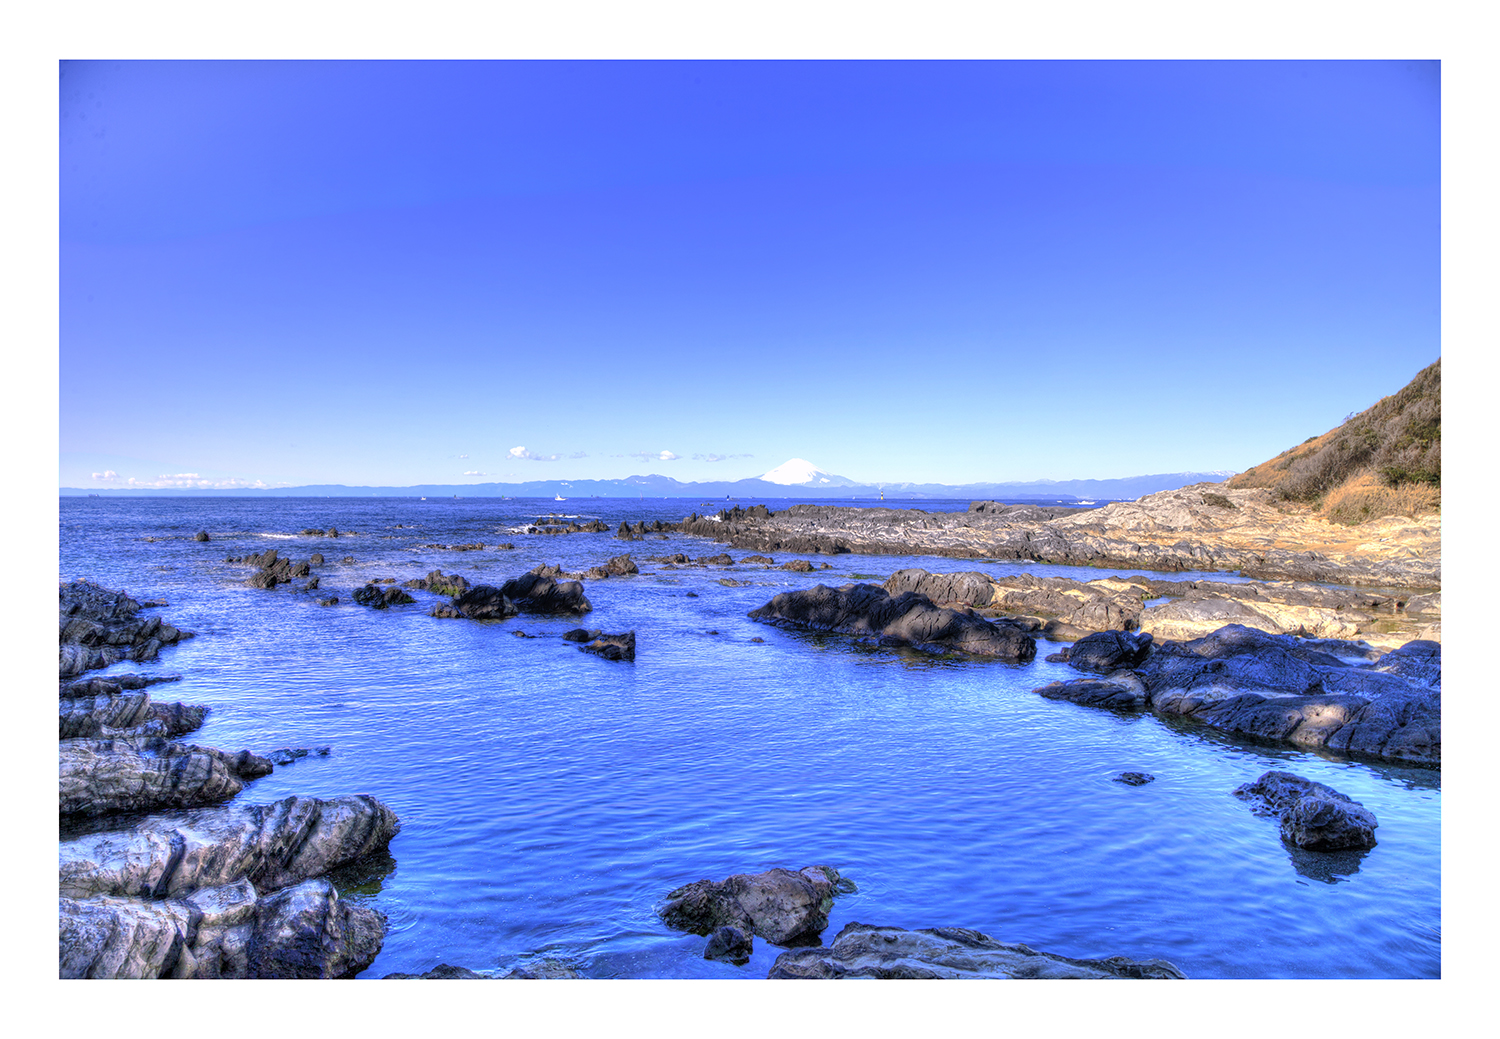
[(473, 472), (717, 458), (650, 456), (108, 474), (463, 456), (521, 452), (190, 481)]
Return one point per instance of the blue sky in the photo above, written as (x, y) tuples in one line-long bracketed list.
[(446, 272)]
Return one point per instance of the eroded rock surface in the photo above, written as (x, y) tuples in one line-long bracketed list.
[(1307, 692), (98, 627), (536, 592), (865, 951), (906, 619), (782, 906), (612, 647), (1313, 816), (98, 777)]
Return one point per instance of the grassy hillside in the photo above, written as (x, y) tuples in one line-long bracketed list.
[(1385, 461)]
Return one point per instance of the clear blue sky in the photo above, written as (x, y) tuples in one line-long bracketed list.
[(400, 273)]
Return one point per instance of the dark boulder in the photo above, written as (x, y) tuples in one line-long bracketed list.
[(1134, 778), (536, 592), (908, 619), (1313, 816), (1121, 691), (966, 589), (580, 635), (482, 602), (1107, 651), (202, 535), (798, 566)]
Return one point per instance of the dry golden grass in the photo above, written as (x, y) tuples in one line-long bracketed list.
[(1385, 461), (1365, 497)]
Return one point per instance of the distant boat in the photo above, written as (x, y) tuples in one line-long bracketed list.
[(559, 498), (424, 499)]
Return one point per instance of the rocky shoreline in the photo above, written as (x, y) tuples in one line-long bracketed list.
[(1200, 528), (164, 871), (162, 879)]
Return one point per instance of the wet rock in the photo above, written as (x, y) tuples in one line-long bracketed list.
[(272, 846), (764, 560), (442, 972), (619, 566), (729, 582), (613, 647), (482, 602), (316, 559), (220, 932), (581, 635), (202, 535), (908, 619), (729, 943), (304, 931), (332, 600), (1134, 778), (98, 627), (779, 905), (544, 969), (1121, 691), (722, 559), (864, 951), (287, 755), (798, 566), (1108, 651), (440, 583), (98, 777), (380, 599), (1313, 816), (104, 709), (536, 592)]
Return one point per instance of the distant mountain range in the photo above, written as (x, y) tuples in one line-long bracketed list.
[(795, 478)]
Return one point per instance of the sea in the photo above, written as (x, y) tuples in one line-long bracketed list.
[(550, 799)]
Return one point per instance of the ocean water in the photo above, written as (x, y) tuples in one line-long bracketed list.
[(550, 799)]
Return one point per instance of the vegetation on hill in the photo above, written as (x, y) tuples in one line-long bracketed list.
[(1385, 461)]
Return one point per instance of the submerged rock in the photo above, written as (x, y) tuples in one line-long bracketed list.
[(1312, 815), (864, 951), (612, 647), (907, 619)]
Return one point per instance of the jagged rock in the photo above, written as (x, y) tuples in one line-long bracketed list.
[(272, 846), (765, 560), (1286, 689), (482, 602), (1134, 778), (863, 951), (966, 589), (105, 710), (379, 599), (581, 635), (304, 931), (907, 619), (537, 592), (613, 647), (96, 777), (98, 627), (219, 932), (1313, 816), (783, 907)]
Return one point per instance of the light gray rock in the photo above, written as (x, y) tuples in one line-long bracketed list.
[(272, 846), (779, 905), (97, 777), (864, 951)]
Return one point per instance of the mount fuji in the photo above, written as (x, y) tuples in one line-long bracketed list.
[(799, 472)]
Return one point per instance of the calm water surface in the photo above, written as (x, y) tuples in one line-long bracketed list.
[(550, 799)]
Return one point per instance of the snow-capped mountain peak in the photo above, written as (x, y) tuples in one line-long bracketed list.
[(799, 472)]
